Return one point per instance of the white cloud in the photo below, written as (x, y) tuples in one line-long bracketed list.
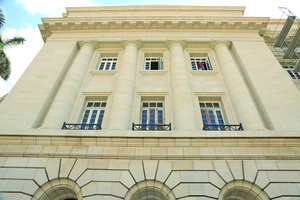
[(54, 8), (20, 56)]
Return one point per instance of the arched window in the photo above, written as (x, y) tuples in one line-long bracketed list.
[(242, 190)]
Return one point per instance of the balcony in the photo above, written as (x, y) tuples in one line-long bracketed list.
[(222, 127), (68, 126), (151, 127)]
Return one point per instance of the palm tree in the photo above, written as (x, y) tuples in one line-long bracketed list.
[(4, 44)]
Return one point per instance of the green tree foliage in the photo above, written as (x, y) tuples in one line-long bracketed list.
[(5, 43)]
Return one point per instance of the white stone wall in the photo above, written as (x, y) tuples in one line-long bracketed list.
[(112, 179)]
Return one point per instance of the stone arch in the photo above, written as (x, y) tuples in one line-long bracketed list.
[(148, 188), (242, 190), (58, 189)]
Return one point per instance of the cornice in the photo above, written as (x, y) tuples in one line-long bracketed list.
[(151, 22)]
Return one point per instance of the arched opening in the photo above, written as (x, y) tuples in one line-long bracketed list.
[(152, 190), (60, 193), (241, 194), (59, 189), (242, 190), (149, 193)]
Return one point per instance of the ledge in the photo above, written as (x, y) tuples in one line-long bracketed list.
[(203, 72), (103, 72), (153, 72)]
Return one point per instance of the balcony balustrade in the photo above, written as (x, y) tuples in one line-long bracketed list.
[(151, 127), (69, 126), (222, 127)]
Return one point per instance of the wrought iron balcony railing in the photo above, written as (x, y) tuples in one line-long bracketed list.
[(151, 127), (222, 127), (81, 126)]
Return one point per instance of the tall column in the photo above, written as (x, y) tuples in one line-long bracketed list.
[(120, 115), (66, 96), (243, 105), (184, 114)]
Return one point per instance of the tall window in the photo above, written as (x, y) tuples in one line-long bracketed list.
[(211, 113), (94, 112), (153, 63), (107, 64), (291, 73), (152, 113), (201, 63)]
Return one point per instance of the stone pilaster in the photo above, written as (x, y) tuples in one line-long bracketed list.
[(243, 104), (64, 101), (120, 116), (184, 115)]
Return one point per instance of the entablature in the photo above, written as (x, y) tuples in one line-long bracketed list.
[(152, 23)]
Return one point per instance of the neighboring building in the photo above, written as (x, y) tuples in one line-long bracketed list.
[(120, 69)]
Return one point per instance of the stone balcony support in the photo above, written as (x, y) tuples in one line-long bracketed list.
[(120, 116), (64, 101), (184, 115), (243, 104)]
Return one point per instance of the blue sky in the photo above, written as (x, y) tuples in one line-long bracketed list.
[(23, 16)]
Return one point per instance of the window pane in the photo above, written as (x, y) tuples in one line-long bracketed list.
[(144, 111), (209, 105), (216, 105), (103, 104), (145, 105), (159, 104), (152, 104), (97, 105), (90, 104), (202, 105), (107, 66)]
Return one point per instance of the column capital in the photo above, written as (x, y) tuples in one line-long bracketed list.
[(172, 43), (216, 44), (135, 43), (93, 44)]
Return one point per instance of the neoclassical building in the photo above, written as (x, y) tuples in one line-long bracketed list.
[(153, 102)]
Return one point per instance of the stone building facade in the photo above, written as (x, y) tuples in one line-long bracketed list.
[(146, 96)]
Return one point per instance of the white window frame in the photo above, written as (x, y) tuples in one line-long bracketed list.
[(92, 107), (290, 71), (107, 63), (149, 60), (157, 109), (212, 111), (196, 60)]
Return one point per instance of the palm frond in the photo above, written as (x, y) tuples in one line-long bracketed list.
[(4, 66), (2, 19), (11, 42)]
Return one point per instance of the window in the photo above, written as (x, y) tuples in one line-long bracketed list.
[(152, 113), (107, 64), (94, 112), (291, 73), (211, 113), (153, 63), (198, 63)]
